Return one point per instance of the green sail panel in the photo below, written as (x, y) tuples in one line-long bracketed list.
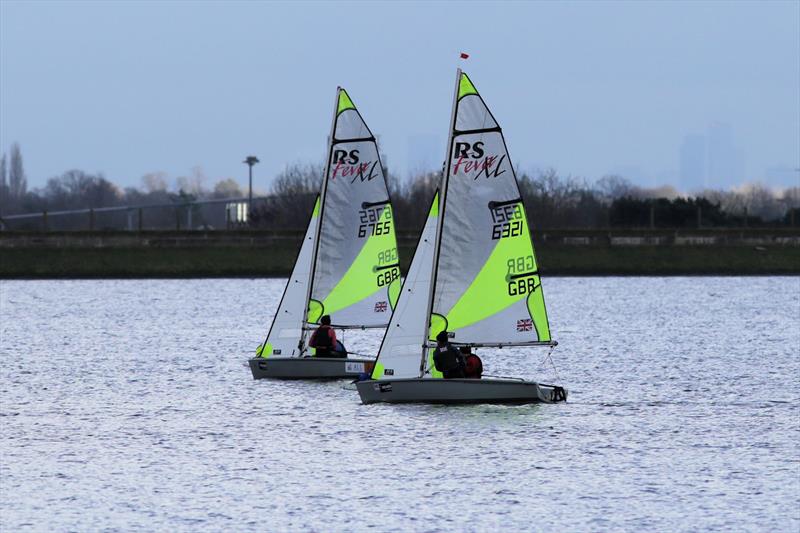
[(487, 289), (345, 102), (357, 263)]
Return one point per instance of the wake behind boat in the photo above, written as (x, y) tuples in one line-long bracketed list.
[(348, 266), (474, 275)]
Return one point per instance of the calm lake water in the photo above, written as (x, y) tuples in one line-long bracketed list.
[(126, 405)]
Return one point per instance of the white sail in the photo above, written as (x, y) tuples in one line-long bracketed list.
[(356, 274), (487, 289), (402, 347), (286, 330)]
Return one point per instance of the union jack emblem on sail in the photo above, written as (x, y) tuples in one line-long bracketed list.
[(526, 324), (380, 307)]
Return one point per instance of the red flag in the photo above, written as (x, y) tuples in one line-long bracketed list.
[(464, 56)]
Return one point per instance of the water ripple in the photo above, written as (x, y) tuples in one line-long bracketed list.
[(126, 406)]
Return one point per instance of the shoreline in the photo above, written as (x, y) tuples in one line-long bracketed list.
[(216, 262)]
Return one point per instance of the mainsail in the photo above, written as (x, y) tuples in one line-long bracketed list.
[(286, 330), (487, 289), (348, 263), (356, 272), (477, 278)]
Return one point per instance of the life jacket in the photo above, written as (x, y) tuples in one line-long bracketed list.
[(474, 367), (447, 359), (322, 338)]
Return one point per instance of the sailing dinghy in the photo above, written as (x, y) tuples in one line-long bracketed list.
[(347, 266), (474, 274)]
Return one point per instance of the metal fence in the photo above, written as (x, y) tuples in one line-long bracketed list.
[(216, 214)]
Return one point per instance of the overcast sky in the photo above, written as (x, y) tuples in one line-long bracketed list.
[(589, 88)]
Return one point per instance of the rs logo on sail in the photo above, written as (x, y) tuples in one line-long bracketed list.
[(347, 164), (471, 158)]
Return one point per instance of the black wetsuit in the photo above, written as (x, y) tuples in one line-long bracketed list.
[(449, 361)]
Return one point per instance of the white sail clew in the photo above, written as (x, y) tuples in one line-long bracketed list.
[(356, 275), (286, 330), (402, 347)]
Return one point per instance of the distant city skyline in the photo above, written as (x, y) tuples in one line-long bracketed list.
[(713, 160), (587, 88)]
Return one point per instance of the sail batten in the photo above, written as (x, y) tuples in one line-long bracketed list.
[(354, 140)]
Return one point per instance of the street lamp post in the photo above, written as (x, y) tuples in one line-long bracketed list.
[(250, 161)]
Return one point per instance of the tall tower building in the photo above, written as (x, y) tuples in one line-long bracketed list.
[(693, 171), (725, 160)]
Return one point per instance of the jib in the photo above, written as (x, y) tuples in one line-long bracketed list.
[(340, 155), (475, 151)]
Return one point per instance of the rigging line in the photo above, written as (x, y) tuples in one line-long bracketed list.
[(323, 194), (440, 220), (549, 356)]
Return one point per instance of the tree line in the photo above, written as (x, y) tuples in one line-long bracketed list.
[(551, 200)]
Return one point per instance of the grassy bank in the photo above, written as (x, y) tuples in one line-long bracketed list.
[(277, 261)]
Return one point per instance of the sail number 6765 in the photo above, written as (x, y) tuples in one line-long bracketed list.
[(371, 223)]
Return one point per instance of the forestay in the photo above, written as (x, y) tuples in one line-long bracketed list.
[(401, 350), (356, 275), (286, 330), (486, 285)]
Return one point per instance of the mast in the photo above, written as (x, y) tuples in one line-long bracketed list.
[(321, 215), (440, 222)]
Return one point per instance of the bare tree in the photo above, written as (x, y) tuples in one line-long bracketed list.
[(791, 198), (18, 183), (154, 182), (3, 183), (194, 184), (298, 179), (762, 202), (227, 188), (612, 187)]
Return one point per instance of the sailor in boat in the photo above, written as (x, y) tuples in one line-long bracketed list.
[(447, 359), (473, 366), (324, 340)]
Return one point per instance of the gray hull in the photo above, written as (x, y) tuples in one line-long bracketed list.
[(308, 367), (509, 391)]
